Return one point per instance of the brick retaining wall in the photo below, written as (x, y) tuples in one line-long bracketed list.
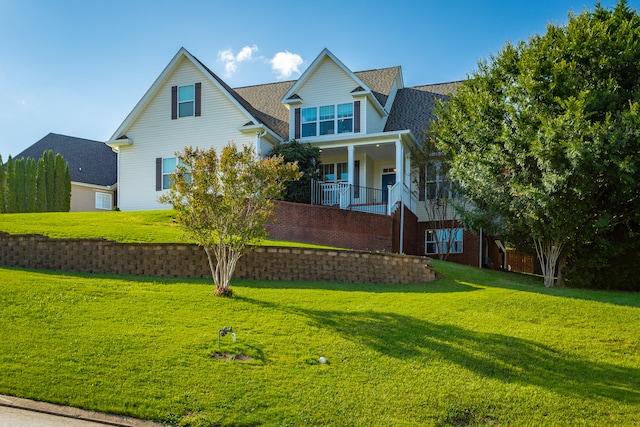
[(185, 260), (331, 226)]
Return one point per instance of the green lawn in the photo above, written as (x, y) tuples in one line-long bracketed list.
[(475, 348), (128, 227)]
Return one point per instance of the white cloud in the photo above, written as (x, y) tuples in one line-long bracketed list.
[(231, 60), (285, 64)]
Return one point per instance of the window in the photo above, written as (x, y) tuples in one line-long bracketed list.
[(335, 172), (168, 167), (445, 237), (328, 172), (345, 118), (309, 118), (104, 201), (325, 121), (343, 171), (186, 100), (434, 183)]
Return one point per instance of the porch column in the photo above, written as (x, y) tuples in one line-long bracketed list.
[(399, 162), (350, 164)]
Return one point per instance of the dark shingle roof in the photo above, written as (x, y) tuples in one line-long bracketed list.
[(413, 107), (267, 102), (380, 81), (90, 162)]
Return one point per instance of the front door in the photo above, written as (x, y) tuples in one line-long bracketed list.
[(387, 179)]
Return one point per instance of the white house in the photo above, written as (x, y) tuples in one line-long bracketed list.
[(364, 123)]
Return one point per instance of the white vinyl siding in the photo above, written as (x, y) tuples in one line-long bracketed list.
[(314, 92), (155, 135)]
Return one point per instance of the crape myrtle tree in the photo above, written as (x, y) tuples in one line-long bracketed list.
[(544, 140), (439, 196), (308, 159), (223, 202)]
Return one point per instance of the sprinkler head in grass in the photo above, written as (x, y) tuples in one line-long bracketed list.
[(224, 331)]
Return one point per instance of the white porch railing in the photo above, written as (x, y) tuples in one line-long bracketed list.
[(333, 194), (363, 199)]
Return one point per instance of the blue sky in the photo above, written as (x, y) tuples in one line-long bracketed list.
[(78, 67)]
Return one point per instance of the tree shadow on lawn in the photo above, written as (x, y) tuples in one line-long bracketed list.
[(436, 286), (469, 276), (504, 358)]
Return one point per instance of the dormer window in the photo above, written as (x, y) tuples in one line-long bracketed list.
[(326, 120)]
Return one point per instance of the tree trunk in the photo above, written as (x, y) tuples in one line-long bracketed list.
[(222, 263), (562, 262), (548, 252)]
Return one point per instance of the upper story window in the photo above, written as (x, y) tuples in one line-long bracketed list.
[(326, 120), (186, 100), (435, 183)]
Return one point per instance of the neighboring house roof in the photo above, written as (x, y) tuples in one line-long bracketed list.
[(413, 107), (90, 162)]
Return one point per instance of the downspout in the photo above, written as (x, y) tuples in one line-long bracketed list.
[(258, 136), (401, 225)]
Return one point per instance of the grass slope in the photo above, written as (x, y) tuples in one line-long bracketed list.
[(129, 227), (475, 348)]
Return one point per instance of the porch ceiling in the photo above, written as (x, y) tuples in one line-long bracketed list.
[(377, 152)]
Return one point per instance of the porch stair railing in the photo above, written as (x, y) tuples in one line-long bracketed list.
[(402, 195)]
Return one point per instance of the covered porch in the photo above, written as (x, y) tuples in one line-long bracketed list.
[(371, 174)]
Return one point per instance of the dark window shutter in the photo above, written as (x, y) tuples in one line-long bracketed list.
[(159, 174), (174, 102), (198, 98), (356, 116), (296, 122), (356, 178)]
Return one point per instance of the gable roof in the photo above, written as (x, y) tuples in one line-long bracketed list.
[(251, 113), (264, 104), (413, 107), (360, 85), (90, 162), (266, 99)]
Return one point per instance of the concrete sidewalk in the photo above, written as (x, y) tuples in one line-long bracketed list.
[(17, 412)]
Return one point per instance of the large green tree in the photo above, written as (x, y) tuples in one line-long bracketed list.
[(223, 202), (544, 139), (308, 158)]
